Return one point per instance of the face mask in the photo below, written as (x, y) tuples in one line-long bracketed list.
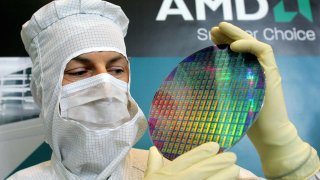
[(102, 105), (94, 127)]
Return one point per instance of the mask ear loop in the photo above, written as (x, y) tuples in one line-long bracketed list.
[(60, 86), (129, 83)]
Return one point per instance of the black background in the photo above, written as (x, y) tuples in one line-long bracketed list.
[(173, 37)]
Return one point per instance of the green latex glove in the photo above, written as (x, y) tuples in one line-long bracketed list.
[(202, 162), (283, 154)]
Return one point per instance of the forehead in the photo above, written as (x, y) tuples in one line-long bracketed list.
[(101, 56)]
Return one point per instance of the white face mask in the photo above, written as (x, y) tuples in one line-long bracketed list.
[(103, 105), (98, 124)]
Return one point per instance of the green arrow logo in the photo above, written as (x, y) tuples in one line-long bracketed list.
[(281, 15)]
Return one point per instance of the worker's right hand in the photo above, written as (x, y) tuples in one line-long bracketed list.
[(202, 162)]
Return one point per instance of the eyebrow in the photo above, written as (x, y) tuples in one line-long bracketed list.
[(89, 61)]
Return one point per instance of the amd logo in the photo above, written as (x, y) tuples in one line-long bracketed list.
[(201, 5)]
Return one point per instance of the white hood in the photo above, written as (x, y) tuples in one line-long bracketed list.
[(55, 34)]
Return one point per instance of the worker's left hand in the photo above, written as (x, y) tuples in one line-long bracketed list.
[(284, 155), (202, 162)]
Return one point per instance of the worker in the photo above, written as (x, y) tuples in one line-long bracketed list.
[(81, 81)]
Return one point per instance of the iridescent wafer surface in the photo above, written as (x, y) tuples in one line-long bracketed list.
[(213, 95)]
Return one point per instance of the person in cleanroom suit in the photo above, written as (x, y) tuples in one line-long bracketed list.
[(81, 81)]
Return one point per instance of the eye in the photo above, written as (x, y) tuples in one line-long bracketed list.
[(115, 71), (77, 74)]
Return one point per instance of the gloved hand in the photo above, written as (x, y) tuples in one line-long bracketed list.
[(283, 154), (202, 162)]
